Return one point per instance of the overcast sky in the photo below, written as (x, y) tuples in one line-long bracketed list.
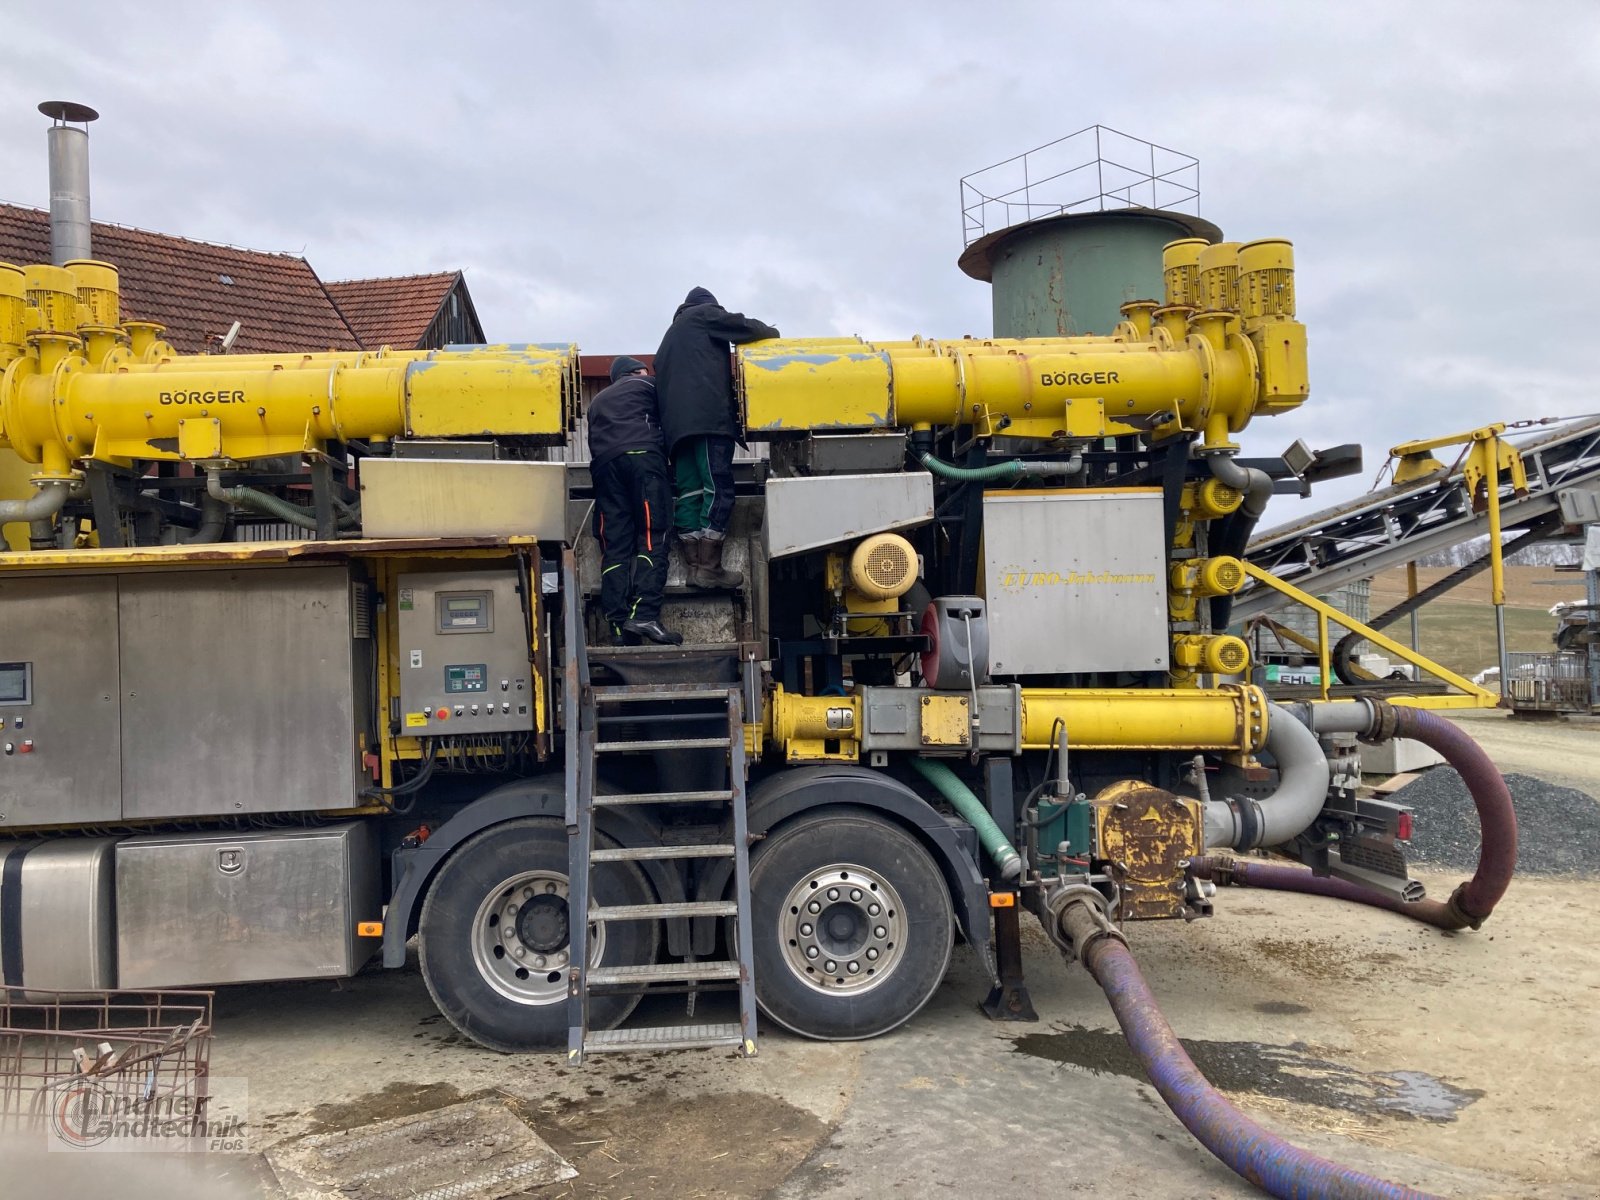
[(1436, 164)]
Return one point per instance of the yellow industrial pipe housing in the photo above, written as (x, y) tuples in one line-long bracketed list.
[(1168, 368)]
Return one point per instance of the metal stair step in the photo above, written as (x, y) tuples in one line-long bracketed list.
[(651, 912), (635, 692), (697, 972), (640, 853), (664, 1037), (713, 743), (623, 799)]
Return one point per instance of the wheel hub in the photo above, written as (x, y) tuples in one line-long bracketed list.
[(542, 923), (522, 936), (842, 929)]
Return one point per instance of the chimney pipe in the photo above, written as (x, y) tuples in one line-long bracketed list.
[(69, 179)]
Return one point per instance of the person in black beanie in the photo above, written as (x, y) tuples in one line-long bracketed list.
[(633, 504), (695, 375)]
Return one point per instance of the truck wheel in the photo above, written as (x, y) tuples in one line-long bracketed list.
[(852, 925), (493, 937)]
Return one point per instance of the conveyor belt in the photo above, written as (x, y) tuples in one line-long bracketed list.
[(1399, 524)]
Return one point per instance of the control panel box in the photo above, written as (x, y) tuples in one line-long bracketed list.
[(463, 654)]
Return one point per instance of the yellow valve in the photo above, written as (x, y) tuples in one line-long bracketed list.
[(814, 728), (1180, 271), (1215, 654)]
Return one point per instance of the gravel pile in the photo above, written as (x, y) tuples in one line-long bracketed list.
[(1558, 828)]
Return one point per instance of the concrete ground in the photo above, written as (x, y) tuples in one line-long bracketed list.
[(1462, 1064)]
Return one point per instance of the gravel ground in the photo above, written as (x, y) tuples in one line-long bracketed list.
[(1558, 828)]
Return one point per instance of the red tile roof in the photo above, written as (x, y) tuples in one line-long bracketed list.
[(197, 289), (393, 312)]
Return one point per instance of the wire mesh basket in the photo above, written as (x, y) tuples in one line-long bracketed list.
[(92, 1067)]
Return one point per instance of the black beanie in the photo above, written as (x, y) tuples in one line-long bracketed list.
[(624, 365), (698, 296)]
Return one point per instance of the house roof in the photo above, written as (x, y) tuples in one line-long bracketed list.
[(396, 311), (199, 289)]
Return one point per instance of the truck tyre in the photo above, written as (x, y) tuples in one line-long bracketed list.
[(851, 922), (493, 942)]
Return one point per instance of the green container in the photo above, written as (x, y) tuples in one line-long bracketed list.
[(1066, 275)]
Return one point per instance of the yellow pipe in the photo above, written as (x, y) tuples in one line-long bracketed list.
[(1227, 718), (74, 413)]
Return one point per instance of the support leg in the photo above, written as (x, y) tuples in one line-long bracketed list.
[(1009, 1000)]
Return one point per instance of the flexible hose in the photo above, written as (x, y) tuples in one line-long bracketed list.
[(965, 802), (1471, 903), (1278, 1167), (1001, 472)]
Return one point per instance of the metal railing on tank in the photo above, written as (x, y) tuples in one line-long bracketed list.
[(1098, 169)]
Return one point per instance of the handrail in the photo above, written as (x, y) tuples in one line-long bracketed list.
[(1474, 696)]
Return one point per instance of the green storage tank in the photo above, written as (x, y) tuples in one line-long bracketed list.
[(1070, 274)]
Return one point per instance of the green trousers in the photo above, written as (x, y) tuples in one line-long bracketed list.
[(702, 470)]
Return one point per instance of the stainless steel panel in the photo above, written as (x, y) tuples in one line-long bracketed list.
[(437, 497), (1075, 581), (893, 720), (811, 512), (65, 762), (212, 908), (55, 914), (239, 692), (474, 671)]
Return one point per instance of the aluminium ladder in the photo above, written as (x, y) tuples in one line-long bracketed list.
[(723, 702)]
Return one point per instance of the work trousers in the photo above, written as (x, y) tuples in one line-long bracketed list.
[(632, 500), (703, 478)]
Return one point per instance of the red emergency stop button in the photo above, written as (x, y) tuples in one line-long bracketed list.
[(26, 747), (443, 714)]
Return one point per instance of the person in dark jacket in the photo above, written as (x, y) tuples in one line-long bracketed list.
[(694, 374), (632, 500)]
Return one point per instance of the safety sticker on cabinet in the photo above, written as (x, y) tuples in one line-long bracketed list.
[(416, 659), (416, 720)]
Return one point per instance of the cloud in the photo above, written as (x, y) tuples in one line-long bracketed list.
[(1433, 162)]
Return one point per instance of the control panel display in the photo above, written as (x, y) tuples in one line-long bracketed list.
[(16, 683), (462, 671), (464, 678), (465, 612)]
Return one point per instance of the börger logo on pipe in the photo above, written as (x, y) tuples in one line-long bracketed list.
[(1066, 378), (211, 397)]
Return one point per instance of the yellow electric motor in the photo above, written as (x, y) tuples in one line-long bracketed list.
[(883, 567)]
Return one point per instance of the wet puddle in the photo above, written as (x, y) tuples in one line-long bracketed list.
[(1289, 1072)]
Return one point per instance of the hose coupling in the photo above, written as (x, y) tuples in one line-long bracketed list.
[(1079, 920), (1456, 906), (1385, 719)]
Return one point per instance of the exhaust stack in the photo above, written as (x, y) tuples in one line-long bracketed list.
[(69, 179)]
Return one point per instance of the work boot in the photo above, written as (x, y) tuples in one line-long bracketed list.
[(653, 631), (707, 570)]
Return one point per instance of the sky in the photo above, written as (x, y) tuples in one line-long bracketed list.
[(1436, 164)]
